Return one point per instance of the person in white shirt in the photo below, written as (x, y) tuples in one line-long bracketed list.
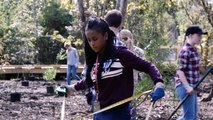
[(114, 19), (72, 63)]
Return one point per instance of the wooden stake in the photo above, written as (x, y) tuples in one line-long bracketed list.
[(63, 109), (149, 111)]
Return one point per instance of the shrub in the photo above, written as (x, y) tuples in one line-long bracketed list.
[(50, 74)]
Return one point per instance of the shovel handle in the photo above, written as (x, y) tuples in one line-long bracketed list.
[(63, 109), (149, 111), (185, 98)]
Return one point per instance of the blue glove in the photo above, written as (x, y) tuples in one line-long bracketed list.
[(157, 94)]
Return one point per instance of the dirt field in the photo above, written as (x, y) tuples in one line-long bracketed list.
[(36, 104)]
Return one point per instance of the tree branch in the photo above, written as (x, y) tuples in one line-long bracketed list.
[(187, 13), (123, 9), (207, 12), (117, 6), (106, 3)]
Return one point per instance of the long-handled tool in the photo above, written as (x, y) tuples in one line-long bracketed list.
[(119, 103), (186, 97), (63, 109), (62, 91), (149, 111), (139, 102)]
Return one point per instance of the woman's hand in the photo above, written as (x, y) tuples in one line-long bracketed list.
[(189, 89), (158, 92)]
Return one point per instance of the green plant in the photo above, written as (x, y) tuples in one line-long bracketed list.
[(61, 55), (143, 85), (167, 70), (50, 74)]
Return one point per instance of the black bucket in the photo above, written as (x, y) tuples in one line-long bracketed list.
[(50, 89), (25, 83), (15, 97), (31, 78)]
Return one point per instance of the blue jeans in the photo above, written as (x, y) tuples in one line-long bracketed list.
[(114, 114), (71, 69), (190, 107)]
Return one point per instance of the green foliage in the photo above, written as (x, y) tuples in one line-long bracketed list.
[(47, 50), (19, 30), (26, 25), (75, 42), (61, 55), (198, 13), (14, 47), (167, 71), (148, 20), (50, 74), (144, 85), (8, 11), (55, 18)]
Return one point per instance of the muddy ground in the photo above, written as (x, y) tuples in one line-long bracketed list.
[(36, 104)]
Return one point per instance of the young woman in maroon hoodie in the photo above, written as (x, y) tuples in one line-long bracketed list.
[(110, 71)]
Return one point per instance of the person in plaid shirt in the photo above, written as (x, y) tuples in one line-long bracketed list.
[(188, 74)]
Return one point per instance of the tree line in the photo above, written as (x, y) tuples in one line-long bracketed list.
[(33, 32)]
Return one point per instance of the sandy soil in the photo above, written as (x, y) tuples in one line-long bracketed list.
[(36, 104)]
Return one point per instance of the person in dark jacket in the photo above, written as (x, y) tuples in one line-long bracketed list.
[(110, 71)]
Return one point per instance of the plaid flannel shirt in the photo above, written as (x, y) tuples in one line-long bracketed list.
[(188, 62)]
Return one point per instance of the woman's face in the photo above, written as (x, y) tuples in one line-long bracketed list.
[(196, 38), (126, 40), (68, 47), (123, 37), (96, 40)]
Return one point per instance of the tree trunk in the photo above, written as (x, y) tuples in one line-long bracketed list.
[(208, 12), (117, 6), (87, 3), (106, 3), (188, 14), (82, 17), (123, 9), (96, 7)]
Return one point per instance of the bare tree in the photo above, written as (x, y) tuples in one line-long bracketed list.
[(208, 10), (117, 6), (123, 6), (106, 4), (82, 16)]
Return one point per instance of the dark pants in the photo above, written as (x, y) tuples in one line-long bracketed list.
[(122, 113)]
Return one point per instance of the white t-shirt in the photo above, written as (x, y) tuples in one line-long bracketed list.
[(72, 57)]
